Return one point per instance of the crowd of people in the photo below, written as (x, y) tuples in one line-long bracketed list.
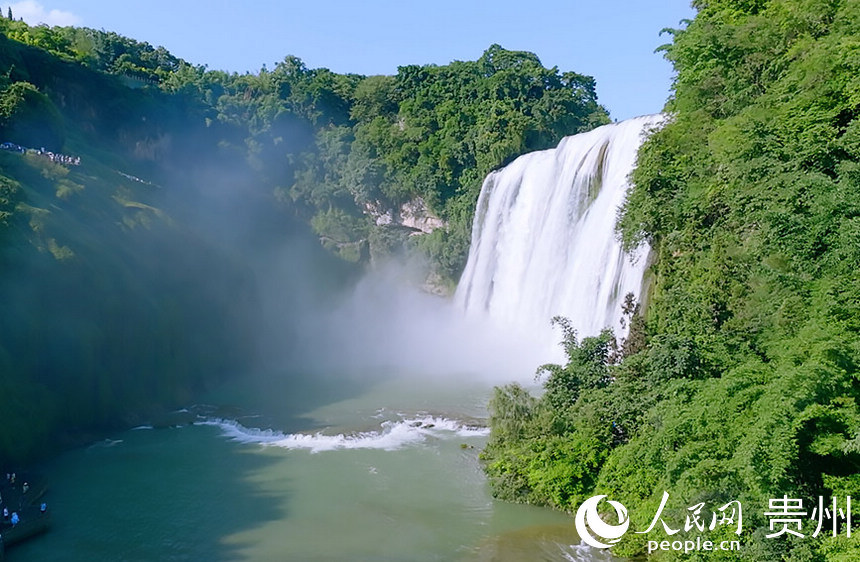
[(18, 502), (52, 156)]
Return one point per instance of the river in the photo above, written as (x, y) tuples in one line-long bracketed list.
[(373, 468)]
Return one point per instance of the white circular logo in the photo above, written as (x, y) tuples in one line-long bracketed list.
[(588, 523)]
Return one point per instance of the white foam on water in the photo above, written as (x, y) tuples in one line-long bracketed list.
[(391, 436), (584, 553), (105, 443)]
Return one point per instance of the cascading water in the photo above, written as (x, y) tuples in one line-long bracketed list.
[(543, 238)]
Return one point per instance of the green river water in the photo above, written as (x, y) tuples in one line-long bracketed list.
[(378, 471)]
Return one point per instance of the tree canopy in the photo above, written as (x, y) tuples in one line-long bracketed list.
[(349, 142), (747, 388)]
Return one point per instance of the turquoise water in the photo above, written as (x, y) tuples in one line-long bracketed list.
[(384, 470)]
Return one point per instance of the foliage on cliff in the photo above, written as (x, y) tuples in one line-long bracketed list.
[(127, 276), (113, 301), (347, 143), (747, 388), (125, 279)]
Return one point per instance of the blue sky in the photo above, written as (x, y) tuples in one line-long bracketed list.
[(612, 40)]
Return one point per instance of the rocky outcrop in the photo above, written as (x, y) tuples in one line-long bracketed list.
[(412, 215)]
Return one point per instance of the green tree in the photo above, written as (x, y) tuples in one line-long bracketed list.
[(28, 117)]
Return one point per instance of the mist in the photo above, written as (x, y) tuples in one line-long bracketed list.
[(384, 323), (320, 328), (319, 316), (164, 266)]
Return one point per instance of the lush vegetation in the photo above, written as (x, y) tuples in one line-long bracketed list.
[(741, 381), (345, 149), (103, 312), (105, 315), (128, 280), (434, 132)]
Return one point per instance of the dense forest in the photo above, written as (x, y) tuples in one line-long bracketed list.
[(356, 155), (129, 275), (740, 380)]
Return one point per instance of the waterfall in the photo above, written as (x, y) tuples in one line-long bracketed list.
[(543, 237)]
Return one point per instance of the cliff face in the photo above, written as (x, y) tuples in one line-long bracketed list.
[(129, 256), (412, 215)]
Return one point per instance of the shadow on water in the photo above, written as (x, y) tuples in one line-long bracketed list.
[(180, 493), (173, 494)]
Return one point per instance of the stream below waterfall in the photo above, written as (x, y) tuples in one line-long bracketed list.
[(382, 471)]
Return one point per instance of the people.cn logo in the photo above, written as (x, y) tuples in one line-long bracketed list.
[(589, 524)]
